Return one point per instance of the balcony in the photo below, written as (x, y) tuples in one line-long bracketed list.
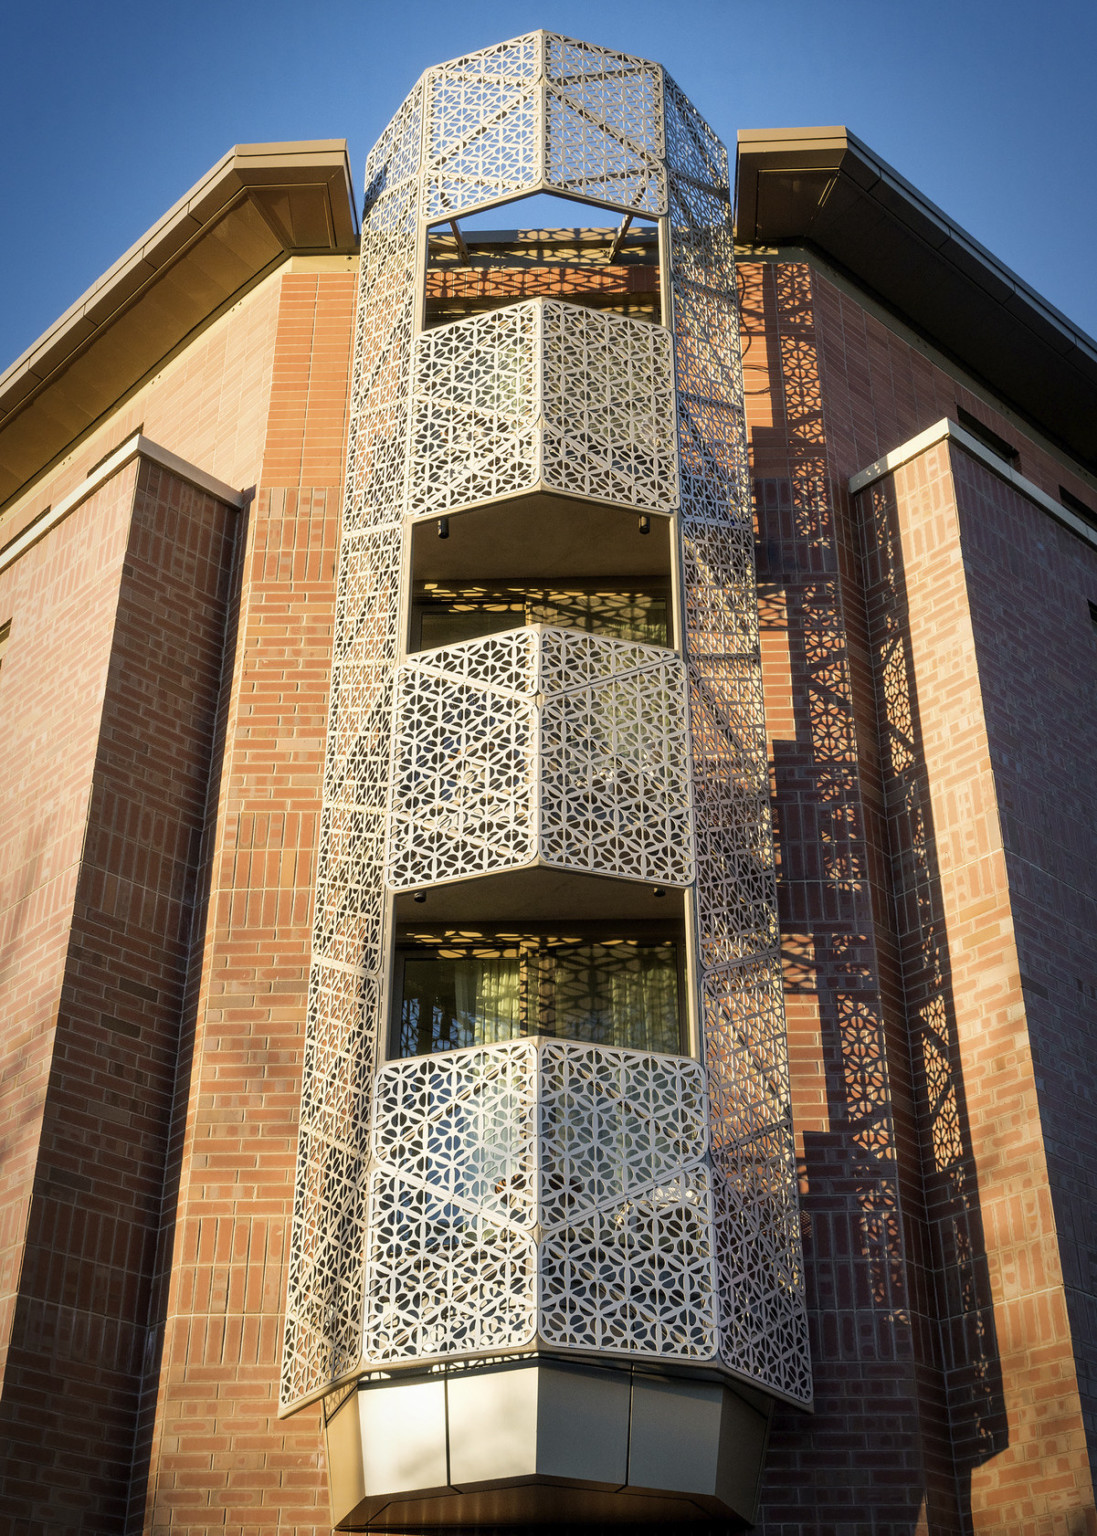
[(540, 747), (540, 1192), (543, 398)]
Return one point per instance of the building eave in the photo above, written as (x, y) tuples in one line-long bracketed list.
[(258, 205), (824, 188)]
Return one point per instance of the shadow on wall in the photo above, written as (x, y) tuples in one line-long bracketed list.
[(895, 1258), (143, 1500), (972, 1371), (13, 947)]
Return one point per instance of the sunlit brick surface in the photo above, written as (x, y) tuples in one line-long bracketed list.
[(161, 851), (102, 853)]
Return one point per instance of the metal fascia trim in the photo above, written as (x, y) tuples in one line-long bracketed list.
[(946, 428), (134, 447)]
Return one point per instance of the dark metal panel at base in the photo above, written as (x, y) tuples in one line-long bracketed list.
[(536, 1504)]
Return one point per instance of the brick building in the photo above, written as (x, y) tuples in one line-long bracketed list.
[(192, 573)]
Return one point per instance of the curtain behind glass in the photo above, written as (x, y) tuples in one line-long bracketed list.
[(615, 994), (618, 994), (450, 1003)]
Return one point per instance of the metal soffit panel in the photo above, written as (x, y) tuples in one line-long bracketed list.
[(824, 187)]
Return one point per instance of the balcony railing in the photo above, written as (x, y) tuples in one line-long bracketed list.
[(540, 746), (540, 1192), (543, 396)]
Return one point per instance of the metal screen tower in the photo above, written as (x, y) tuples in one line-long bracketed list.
[(545, 1254)]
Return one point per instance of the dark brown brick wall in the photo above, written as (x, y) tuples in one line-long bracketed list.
[(896, 679), (1029, 585)]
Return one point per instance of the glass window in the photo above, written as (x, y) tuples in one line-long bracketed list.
[(612, 994), (448, 614), (458, 999), (442, 624), (619, 992), (620, 615)]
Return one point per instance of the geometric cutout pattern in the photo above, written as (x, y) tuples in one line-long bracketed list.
[(328, 1224), (482, 138), (452, 1259), (464, 779), (476, 1200), (614, 1123), (540, 745), (543, 395), (543, 113), (345, 1001), (603, 125), (477, 410), (608, 406), (757, 1231), (627, 1259), (637, 1279), (540, 1191)]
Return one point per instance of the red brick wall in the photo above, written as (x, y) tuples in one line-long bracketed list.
[(947, 888), (1029, 585), (219, 1457), (877, 1441), (171, 1296), (946, 1382), (882, 389), (117, 623), (927, 656), (60, 599)]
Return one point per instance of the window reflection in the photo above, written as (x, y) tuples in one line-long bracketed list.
[(446, 615), (617, 992)]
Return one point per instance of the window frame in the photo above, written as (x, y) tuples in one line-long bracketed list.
[(496, 588), (531, 938)]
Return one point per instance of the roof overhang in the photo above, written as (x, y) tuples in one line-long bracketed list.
[(823, 188), (258, 205)]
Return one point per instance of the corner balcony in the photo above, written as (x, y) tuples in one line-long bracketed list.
[(540, 1192), (538, 1260), (540, 747), (543, 398)]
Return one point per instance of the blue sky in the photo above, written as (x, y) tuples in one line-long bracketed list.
[(111, 111)]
